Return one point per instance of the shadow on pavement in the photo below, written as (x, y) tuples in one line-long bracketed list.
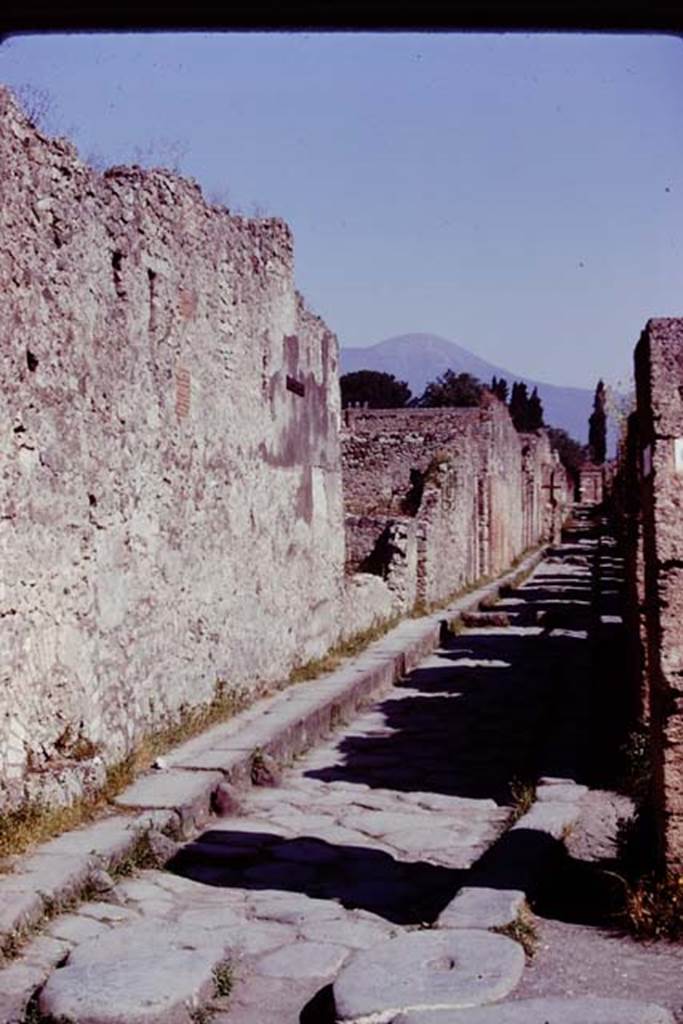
[(360, 878)]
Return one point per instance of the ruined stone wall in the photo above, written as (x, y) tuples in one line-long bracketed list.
[(171, 509), (626, 503), (548, 490), (659, 389), (591, 484), (475, 489)]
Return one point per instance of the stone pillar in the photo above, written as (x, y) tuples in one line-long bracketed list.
[(659, 389)]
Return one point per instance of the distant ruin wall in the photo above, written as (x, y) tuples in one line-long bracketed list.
[(475, 492), (591, 484), (171, 508), (657, 449)]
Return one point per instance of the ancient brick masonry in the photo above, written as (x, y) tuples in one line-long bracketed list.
[(171, 510), (655, 529), (438, 498)]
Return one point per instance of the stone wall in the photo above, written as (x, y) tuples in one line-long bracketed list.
[(656, 461), (591, 484), (171, 509), (625, 502), (474, 492)]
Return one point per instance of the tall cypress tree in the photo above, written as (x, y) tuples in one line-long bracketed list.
[(534, 411), (519, 401), (597, 426)]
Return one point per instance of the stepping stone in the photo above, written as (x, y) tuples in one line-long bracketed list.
[(568, 793), (426, 970), (548, 1011), (482, 908), (136, 974)]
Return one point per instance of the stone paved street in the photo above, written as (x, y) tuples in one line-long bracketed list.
[(346, 870)]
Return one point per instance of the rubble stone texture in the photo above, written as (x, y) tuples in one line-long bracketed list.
[(659, 388), (172, 520), (437, 498), (171, 502)]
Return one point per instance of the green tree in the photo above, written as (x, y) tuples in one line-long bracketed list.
[(519, 401), (379, 390), (456, 389), (500, 389), (534, 411), (597, 426), (526, 409)]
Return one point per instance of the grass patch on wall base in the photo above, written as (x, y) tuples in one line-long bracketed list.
[(35, 822), (344, 649)]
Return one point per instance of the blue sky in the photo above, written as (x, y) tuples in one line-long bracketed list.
[(521, 194)]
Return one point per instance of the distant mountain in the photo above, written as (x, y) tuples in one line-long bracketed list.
[(419, 358)]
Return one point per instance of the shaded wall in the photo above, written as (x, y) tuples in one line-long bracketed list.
[(656, 449)]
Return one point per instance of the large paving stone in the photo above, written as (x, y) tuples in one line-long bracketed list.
[(355, 933), (548, 1011), (553, 817), (18, 909), (303, 960), (136, 974), (20, 979), (569, 793), (481, 908), (427, 970)]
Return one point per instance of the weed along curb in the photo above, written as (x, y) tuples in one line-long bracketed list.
[(203, 774)]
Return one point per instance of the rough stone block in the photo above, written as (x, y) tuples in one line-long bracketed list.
[(548, 1010), (186, 793), (482, 908), (427, 969), (136, 972)]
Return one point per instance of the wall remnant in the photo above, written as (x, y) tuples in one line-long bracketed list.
[(459, 486), (591, 484), (171, 504), (654, 528), (171, 511)]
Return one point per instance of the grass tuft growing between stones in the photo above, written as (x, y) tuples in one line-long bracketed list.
[(202, 1015), (223, 979), (636, 764), (522, 930), (654, 908), (522, 797)]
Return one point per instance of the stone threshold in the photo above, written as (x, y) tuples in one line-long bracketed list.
[(179, 797)]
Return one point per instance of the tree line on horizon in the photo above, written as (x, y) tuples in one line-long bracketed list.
[(377, 390)]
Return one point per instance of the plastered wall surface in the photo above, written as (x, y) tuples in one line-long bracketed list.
[(170, 505)]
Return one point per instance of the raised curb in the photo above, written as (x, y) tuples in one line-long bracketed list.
[(180, 797), (590, 1010), (58, 870)]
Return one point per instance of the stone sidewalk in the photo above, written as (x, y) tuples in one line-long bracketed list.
[(361, 881)]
